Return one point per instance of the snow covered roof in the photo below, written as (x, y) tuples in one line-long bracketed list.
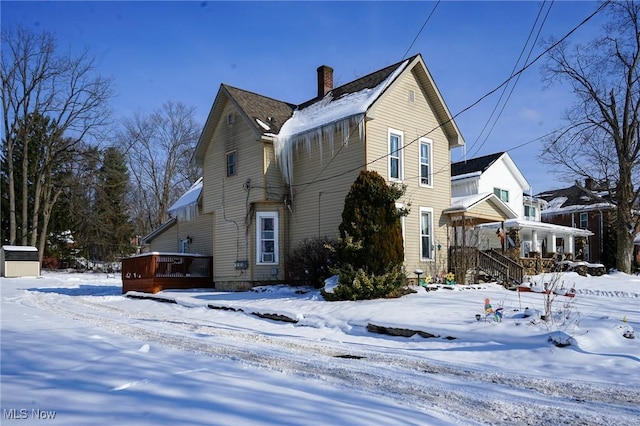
[(19, 248), (333, 108), (572, 199), (539, 226), (189, 197)]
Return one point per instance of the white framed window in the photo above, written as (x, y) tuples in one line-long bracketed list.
[(426, 233), (529, 212), (231, 163), (267, 238), (426, 169), (503, 194), (584, 220), (184, 246), (396, 171)]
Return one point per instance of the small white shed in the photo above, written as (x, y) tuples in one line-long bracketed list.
[(19, 261)]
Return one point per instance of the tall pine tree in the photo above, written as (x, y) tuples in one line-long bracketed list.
[(114, 230)]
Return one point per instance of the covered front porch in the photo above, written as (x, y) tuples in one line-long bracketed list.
[(465, 215), (538, 246)]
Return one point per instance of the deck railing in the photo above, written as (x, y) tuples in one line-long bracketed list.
[(154, 272)]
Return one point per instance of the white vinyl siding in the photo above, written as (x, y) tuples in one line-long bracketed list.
[(267, 238), (426, 233), (425, 162), (396, 171)]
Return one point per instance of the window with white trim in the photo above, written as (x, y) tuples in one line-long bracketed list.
[(267, 238), (231, 163), (503, 194), (425, 162), (426, 233), (584, 220), (529, 212), (395, 155)]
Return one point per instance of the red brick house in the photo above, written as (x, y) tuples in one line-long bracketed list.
[(584, 207)]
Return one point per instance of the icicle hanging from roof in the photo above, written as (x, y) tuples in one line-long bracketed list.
[(320, 121), (288, 146)]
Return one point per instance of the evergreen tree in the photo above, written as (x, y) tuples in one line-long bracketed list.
[(371, 223), (113, 231)]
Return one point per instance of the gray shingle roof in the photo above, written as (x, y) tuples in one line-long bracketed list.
[(275, 113), (270, 111), (478, 164), (575, 195)]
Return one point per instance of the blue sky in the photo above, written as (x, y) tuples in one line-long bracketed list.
[(183, 51)]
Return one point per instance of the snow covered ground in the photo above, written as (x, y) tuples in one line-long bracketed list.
[(76, 351)]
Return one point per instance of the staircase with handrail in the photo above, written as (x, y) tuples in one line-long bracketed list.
[(501, 267)]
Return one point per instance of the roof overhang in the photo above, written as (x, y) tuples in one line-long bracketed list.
[(484, 207), (159, 230), (542, 227), (210, 125)]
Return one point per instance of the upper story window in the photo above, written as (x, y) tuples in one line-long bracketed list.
[(503, 194), (584, 220), (267, 238), (425, 162), (529, 212), (231, 163), (395, 155)]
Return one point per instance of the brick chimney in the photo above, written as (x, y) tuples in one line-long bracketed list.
[(589, 184), (325, 80)]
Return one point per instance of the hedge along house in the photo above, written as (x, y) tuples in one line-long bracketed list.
[(275, 173)]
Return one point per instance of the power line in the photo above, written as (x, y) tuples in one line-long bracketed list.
[(420, 32), (520, 71), (513, 86), (362, 119)]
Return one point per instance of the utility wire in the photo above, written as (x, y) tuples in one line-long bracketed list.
[(362, 119), (514, 75), (420, 32), (513, 86)]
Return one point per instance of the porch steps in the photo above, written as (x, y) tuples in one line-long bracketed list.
[(501, 268)]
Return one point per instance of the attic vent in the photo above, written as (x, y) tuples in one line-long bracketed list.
[(412, 96), (230, 119)]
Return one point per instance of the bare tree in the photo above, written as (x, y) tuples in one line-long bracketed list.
[(160, 149), (602, 140), (39, 81)]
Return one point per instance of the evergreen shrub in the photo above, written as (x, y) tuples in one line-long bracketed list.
[(370, 251), (311, 262)]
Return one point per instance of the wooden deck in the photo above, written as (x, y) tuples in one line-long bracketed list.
[(154, 272)]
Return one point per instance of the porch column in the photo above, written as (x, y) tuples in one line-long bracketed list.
[(570, 242), (534, 240), (551, 243)]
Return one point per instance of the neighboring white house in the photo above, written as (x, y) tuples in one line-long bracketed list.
[(498, 176)]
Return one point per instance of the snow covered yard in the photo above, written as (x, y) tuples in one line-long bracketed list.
[(76, 351)]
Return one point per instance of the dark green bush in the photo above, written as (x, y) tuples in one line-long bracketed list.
[(371, 221), (358, 285), (311, 262), (370, 251)]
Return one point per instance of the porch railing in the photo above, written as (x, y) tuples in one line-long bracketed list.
[(154, 272)]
